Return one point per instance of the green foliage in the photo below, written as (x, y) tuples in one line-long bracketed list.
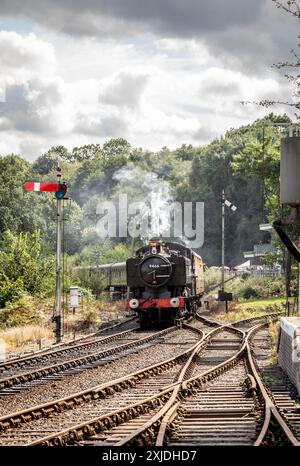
[(119, 253), (249, 292), (85, 152), (260, 159), (21, 311), (47, 162), (19, 211), (257, 287), (10, 289), (90, 283), (23, 268)]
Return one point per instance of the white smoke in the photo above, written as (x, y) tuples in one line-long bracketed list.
[(155, 194)]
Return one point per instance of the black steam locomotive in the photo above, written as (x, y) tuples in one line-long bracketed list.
[(163, 282), (166, 283)]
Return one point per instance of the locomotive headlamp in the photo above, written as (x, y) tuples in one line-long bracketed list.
[(134, 303), (174, 302)]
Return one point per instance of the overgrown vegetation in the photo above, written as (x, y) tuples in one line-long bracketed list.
[(257, 287)]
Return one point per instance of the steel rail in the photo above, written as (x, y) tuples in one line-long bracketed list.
[(83, 430), (150, 427), (77, 432), (270, 408), (146, 433), (198, 381), (256, 385), (40, 358), (66, 345), (271, 315), (100, 391), (75, 362)]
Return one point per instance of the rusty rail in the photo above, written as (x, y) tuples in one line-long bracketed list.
[(100, 391), (72, 363)]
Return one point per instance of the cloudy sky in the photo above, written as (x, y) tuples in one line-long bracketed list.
[(157, 72)]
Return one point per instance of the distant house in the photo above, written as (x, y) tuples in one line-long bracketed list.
[(256, 257), (242, 267)]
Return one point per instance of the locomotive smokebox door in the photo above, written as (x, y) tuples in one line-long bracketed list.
[(223, 296)]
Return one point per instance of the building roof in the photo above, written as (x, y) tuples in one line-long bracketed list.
[(260, 250)]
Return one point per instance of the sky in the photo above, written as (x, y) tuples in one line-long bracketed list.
[(156, 72)]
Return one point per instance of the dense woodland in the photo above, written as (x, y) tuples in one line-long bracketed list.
[(245, 162)]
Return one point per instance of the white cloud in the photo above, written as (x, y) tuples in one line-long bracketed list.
[(124, 89), (154, 92), (22, 56)]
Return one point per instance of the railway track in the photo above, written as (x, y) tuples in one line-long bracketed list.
[(31, 425), (211, 394), (232, 409), (127, 324), (86, 429), (62, 362), (247, 397), (47, 357), (141, 431), (284, 394)]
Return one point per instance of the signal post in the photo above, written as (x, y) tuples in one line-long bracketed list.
[(60, 189)]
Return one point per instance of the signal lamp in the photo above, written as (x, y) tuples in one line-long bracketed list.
[(62, 189)]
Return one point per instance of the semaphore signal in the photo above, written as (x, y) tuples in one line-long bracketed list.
[(60, 189), (222, 295)]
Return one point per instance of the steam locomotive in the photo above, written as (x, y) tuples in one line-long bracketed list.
[(166, 283), (163, 282)]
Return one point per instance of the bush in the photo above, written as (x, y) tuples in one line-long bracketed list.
[(10, 290), (22, 311), (257, 287), (23, 267), (249, 293)]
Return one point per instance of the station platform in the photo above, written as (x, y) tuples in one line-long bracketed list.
[(289, 349)]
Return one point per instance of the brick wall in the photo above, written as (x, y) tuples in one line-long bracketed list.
[(289, 349)]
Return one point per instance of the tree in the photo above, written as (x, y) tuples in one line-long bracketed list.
[(86, 152), (47, 162), (23, 267), (96, 175), (116, 147), (292, 7), (234, 163), (19, 210), (260, 159)]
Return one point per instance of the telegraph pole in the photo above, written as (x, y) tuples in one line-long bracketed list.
[(223, 239)]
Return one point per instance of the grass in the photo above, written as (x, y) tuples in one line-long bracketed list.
[(25, 323), (269, 380), (23, 337), (240, 311), (255, 308), (261, 302)]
